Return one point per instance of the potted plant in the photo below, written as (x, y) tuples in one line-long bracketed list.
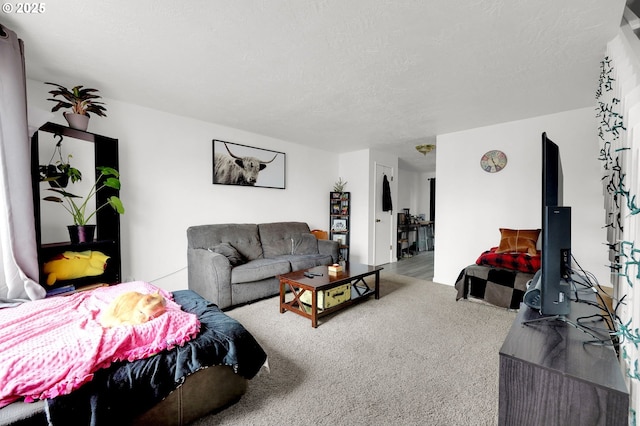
[(59, 173), (81, 101), (81, 211), (339, 185)]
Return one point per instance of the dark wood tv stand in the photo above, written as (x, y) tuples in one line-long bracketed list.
[(549, 376)]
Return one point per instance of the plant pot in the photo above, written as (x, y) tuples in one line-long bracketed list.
[(61, 180), (55, 178), (77, 121), (81, 234)]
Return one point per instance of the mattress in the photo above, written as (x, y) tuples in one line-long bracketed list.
[(498, 286), (125, 391)]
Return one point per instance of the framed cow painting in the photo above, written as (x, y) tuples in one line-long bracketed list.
[(235, 164)]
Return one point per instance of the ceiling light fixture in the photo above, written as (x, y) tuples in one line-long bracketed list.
[(426, 148)]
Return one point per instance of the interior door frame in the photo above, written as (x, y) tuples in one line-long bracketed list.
[(377, 195)]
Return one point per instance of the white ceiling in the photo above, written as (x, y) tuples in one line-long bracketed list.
[(340, 75)]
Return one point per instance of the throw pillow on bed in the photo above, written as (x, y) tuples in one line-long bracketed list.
[(518, 241), (230, 252)]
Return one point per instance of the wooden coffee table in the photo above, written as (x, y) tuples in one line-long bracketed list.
[(298, 283)]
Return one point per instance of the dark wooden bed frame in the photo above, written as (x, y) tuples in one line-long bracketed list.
[(206, 391)]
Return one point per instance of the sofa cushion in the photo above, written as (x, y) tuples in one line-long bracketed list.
[(243, 236), (228, 251), (278, 238), (259, 269), (304, 244), (306, 261)]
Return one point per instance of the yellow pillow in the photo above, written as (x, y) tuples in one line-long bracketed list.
[(71, 264), (518, 240)]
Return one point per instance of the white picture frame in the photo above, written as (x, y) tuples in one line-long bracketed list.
[(339, 225), (341, 239)]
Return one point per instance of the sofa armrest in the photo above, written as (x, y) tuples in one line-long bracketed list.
[(210, 276), (329, 247)]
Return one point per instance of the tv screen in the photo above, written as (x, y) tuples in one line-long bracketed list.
[(550, 289), (552, 179)]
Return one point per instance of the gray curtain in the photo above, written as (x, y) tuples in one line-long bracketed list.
[(19, 265)]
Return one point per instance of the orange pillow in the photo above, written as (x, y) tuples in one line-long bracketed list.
[(518, 240)]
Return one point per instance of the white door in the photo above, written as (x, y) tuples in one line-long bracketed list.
[(383, 230)]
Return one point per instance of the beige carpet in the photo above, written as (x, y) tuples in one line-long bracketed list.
[(413, 357)]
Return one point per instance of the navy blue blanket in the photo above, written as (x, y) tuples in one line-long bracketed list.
[(126, 389)]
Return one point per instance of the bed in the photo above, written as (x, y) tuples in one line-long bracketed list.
[(206, 370), (501, 274)]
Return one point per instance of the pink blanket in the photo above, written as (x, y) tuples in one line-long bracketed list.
[(52, 346)]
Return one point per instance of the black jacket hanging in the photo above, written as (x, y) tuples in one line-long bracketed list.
[(386, 195)]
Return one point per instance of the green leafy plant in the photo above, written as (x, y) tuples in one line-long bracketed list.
[(339, 185), (59, 173), (80, 100), (108, 178)]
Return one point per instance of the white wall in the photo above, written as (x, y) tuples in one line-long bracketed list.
[(166, 174), (354, 168), (471, 204)]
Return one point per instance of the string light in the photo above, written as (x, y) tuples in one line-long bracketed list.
[(626, 262)]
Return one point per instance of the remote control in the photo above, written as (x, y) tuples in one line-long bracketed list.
[(308, 275)]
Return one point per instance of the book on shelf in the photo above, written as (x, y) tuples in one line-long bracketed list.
[(92, 286), (61, 290), (68, 289)]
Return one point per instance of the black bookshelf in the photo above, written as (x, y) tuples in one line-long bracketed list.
[(107, 239), (340, 221)]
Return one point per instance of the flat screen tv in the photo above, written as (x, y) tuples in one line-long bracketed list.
[(550, 289)]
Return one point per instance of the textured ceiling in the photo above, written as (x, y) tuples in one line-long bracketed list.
[(335, 74)]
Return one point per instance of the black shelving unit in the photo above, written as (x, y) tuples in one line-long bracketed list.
[(340, 221), (107, 238)]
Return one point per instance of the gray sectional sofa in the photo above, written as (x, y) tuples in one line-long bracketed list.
[(232, 264)]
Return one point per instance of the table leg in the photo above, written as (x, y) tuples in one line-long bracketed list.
[(377, 288), (314, 309), (282, 294)]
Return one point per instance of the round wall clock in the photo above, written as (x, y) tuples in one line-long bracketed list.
[(493, 161)]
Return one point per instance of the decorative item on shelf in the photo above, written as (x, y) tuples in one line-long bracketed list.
[(59, 173), (108, 178), (70, 265), (81, 233), (81, 101), (425, 148), (339, 185), (339, 225), (341, 239)]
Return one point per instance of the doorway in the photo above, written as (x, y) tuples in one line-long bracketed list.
[(419, 262)]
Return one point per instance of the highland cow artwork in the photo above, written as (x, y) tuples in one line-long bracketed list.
[(235, 164)]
